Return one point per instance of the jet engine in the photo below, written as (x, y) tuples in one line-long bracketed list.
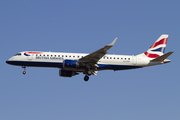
[(70, 64), (67, 73)]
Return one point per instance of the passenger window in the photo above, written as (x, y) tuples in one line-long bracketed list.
[(62, 55), (114, 58), (129, 58), (47, 55)]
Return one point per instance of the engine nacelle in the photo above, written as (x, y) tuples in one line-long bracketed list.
[(70, 64), (67, 73)]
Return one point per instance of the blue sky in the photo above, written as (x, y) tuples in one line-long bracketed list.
[(85, 26)]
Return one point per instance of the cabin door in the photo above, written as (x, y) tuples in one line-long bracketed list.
[(134, 60), (30, 57)]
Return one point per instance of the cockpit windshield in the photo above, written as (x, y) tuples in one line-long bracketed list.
[(18, 54)]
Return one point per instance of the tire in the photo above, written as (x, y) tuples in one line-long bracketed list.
[(24, 72), (89, 72), (86, 78)]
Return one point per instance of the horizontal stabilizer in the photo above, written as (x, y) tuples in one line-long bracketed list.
[(163, 57)]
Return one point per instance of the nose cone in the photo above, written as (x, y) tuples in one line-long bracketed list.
[(8, 62)]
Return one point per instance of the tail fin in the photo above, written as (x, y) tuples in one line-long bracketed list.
[(158, 48)]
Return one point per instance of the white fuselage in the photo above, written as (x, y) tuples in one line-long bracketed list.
[(70, 64), (55, 59)]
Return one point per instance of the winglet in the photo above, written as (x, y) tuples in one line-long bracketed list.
[(113, 42)]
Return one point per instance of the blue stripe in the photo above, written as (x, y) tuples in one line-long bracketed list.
[(26, 55), (162, 49), (36, 64), (116, 67), (60, 65)]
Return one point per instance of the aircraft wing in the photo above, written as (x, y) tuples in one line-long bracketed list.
[(97, 55)]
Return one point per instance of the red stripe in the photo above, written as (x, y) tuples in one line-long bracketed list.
[(162, 41), (151, 55), (34, 52)]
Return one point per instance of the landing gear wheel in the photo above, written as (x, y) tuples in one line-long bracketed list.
[(86, 78), (24, 72), (89, 72)]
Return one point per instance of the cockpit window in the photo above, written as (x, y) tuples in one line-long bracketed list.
[(18, 54)]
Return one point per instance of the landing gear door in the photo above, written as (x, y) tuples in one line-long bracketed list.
[(30, 57), (134, 60)]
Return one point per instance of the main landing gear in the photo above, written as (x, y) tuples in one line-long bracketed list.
[(24, 72), (86, 78), (87, 72)]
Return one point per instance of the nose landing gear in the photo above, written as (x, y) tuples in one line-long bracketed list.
[(24, 72)]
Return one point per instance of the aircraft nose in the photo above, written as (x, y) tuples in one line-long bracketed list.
[(7, 61)]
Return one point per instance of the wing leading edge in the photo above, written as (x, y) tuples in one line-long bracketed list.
[(97, 55)]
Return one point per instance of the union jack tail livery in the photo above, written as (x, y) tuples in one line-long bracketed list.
[(158, 48)]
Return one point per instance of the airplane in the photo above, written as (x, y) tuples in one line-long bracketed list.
[(71, 64)]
